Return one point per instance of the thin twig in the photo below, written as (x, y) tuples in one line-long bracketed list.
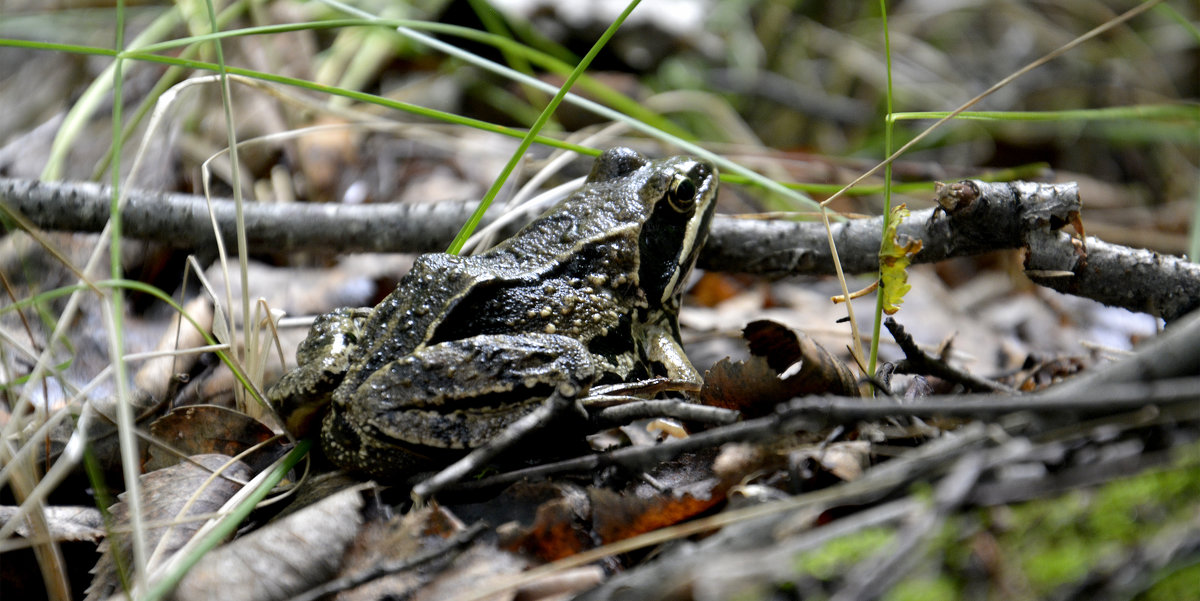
[(917, 361)]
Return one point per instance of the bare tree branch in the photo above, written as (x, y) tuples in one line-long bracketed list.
[(182, 220), (978, 217), (1134, 278), (988, 217)]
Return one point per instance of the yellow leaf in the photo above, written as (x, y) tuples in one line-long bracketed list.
[(893, 261)]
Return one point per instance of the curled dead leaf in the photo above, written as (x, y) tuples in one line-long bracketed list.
[(785, 363)]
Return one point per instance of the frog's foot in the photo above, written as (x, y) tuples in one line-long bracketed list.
[(623, 392), (629, 409)]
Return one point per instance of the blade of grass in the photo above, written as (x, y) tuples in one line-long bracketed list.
[(48, 554), (1096, 31), (83, 108), (648, 123), (495, 25), (1147, 112), (1129, 14), (43, 488), (657, 133), (235, 182), (113, 312), (105, 500), (888, 129), (1180, 20), (1194, 231), (469, 227), (684, 144), (168, 78)]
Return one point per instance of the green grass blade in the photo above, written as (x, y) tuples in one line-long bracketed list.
[(1148, 112), (469, 227)]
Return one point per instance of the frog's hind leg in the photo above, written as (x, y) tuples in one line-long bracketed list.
[(563, 400)]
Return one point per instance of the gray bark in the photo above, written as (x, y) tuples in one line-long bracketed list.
[(977, 217)]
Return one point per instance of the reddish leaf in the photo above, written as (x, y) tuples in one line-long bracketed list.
[(617, 517)]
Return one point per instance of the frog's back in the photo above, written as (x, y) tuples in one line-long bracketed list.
[(599, 213), (401, 323)]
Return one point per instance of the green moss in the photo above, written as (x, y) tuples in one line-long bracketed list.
[(1058, 541), (1052, 563), (832, 558), (1030, 550), (941, 588), (1177, 585)]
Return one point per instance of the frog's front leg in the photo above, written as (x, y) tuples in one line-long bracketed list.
[(450, 396), (322, 360), (664, 352)]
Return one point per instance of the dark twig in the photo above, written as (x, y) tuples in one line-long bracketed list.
[(870, 580), (742, 540), (183, 219), (1110, 399), (815, 413), (1134, 278), (631, 458), (1050, 484), (1173, 354), (917, 361), (998, 216)]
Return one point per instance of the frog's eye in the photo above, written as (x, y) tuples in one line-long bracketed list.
[(682, 193)]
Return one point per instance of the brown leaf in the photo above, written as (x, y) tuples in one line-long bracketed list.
[(786, 363), (579, 519), (749, 386), (397, 540), (200, 429), (480, 565), (558, 526), (787, 349)]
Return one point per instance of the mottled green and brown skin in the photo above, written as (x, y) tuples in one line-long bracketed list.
[(587, 293)]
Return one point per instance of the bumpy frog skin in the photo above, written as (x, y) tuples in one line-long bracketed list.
[(588, 293)]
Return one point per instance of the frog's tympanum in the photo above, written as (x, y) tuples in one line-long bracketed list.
[(587, 294)]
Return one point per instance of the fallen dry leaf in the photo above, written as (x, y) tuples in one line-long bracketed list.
[(66, 522), (785, 363), (282, 559), (187, 488), (202, 429), (420, 540)]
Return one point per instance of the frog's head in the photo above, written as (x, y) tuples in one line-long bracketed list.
[(677, 197)]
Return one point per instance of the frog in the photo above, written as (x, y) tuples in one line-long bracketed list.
[(586, 295)]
